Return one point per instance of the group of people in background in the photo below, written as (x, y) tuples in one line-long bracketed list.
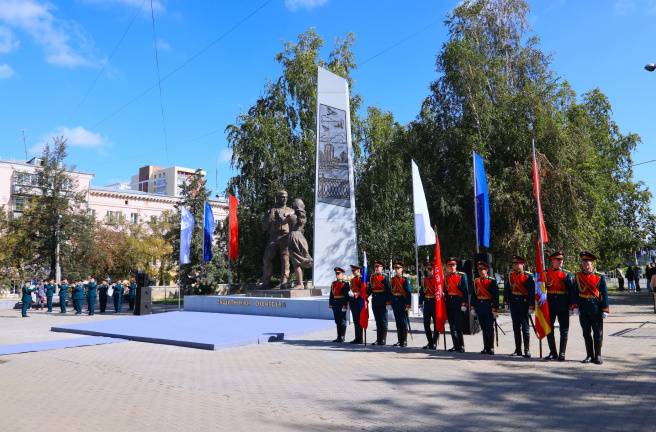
[(633, 276), (583, 293), (79, 291)]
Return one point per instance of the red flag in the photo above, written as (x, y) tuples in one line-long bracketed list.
[(536, 189), (542, 322), (438, 276), (234, 229)]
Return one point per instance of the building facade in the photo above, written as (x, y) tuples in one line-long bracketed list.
[(162, 181)]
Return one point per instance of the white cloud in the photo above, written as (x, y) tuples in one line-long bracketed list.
[(65, 43), (225, 156), (641, 6), (162, 45), (76, 137), (6, 71), (7, 40), (294, 5), (157, 6)]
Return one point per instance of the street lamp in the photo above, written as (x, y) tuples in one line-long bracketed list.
[(57, 268), (650, 67)]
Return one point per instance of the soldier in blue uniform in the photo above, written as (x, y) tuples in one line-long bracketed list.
[(78, 296), (519, 298), (118, 296), (485, 304), (338, 302), (132, 292), (358, 289), (401, 303), (102, 294), (27, 296), (427, 307), (457, 295), (592, 302), (91, 288), (379, 289), (50, 292), (561, 298), (63, 293)]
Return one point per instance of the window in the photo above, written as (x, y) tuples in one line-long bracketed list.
[(92, 213), (20, 204), (134, 218), (114, 216)]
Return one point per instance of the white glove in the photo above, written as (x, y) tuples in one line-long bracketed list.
[(408, 309), (473, 312), (571, 312), (604, 315), (389, 308), (351, 294), (531, 311), (463, 308), (506, 307), (421, 309), (576, 311)]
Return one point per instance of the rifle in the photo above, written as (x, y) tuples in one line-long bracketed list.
[(496, 328), (536, 333)]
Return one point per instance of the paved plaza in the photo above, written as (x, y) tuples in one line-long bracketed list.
[(309, 383)]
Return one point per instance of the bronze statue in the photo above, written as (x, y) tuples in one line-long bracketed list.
[(296, 243), (275, 222)]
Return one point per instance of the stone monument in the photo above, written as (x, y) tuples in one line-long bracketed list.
[(276, 223), (297, 245)]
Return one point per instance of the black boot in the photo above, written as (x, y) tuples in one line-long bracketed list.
[(358, 334), (399, 337), (383, 336), (588, 350), (527, 341), (456, 344), (563, 346), (344, 333), (553, 354), (484, 343), (429, 336), (404, 335), (490, 343), (518, 345), (597, 352), (378, 336), (339, 334), (461, 340)]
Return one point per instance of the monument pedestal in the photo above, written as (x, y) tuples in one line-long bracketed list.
[(283, 293)]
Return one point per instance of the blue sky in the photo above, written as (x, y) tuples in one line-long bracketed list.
[(51, 53)]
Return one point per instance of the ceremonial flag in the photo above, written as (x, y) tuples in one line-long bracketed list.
[(209, 232), (364, 302), (536, 189), (482, 203), (438, 277), (423, 232), (234, 229), (542, 321), (186, 227)]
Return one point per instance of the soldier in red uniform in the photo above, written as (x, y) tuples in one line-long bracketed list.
[(484, 304), (519, 298), (427, 307), (457, 295), (561, 297), (379, 289), (338, 302), (401, 302), (358, 288), (592, 302)]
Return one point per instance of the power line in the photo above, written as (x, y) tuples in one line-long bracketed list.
[(159, 83), (106, 63), (642, 163), (400, 42), (182, 65)]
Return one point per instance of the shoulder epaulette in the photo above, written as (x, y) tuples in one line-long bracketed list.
[(461, 273)]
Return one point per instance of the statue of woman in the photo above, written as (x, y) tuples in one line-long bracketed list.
[(296, 244)]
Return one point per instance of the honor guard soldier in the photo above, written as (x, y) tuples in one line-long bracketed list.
[(78, 296), (50, 292), (379, 289), (358, 289), (118, 296), (27, 297), (132, 292), (592, 302), (484, 304), (457, 294), (427, 307), (91, 289), (338, 302), (561, 298), (519, 298), (401, 303), (102, 294), (63, 293)]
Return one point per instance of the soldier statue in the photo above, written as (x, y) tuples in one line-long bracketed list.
[(276, 223)]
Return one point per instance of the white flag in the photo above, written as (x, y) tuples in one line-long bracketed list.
[(423, 231)]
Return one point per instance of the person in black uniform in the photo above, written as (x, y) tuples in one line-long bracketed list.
[(484, 304), (427, 307), (27, 291), (592, 304), (379, 289), (358, 289), (401, 303), (63, 293), (457, 294), (519, 298), (132, 292), (561, 298), (102, 294), (338, 302), (91, 290)]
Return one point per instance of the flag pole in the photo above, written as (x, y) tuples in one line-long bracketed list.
[(475, 207), (539, 223), (229, 238), (179, 282)]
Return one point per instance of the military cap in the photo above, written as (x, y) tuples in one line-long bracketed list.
[(398, 264), (379, 263), (339, 270), (355, 267), (40, 280), (452, 260), (429, 266), (587, 256), (482, 265), (519, 259), (557, 255)]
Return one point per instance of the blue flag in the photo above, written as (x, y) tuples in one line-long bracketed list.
[(209, 232), (186, 227), (482, 202)]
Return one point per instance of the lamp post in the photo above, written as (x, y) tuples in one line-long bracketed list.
[(651, 67), (57, 268)]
